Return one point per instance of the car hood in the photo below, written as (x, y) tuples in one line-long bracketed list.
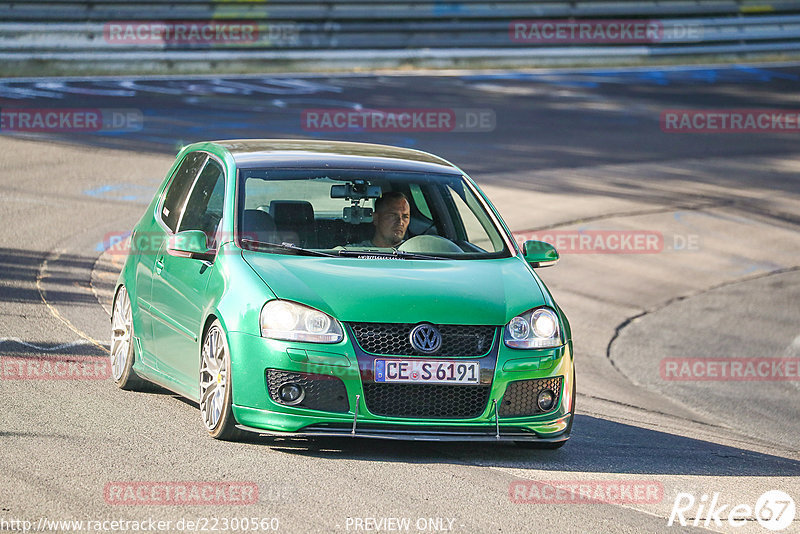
[(403, 291)]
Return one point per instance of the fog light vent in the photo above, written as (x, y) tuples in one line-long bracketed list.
[(307, 390), (530, 397)]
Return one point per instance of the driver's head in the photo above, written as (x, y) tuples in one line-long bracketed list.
[(392, 213)]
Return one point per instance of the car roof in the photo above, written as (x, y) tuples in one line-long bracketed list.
[(301, 153)]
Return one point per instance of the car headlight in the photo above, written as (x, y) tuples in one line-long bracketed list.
[(534, 329), (281, 319)]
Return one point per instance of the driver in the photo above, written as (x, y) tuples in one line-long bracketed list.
[(391, 217)]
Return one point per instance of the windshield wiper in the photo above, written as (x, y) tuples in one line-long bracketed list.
[(394, 254), (285, 246)]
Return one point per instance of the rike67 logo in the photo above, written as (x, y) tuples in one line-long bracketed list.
[(774, 510)]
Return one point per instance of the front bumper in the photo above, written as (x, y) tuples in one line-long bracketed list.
[(419, 434), (255, 411)]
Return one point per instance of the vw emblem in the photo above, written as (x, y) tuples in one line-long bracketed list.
[(425, 338)]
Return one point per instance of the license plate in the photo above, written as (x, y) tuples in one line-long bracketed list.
[(427, 371)]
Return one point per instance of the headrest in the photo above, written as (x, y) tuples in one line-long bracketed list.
[(257, 221), (291, 212)]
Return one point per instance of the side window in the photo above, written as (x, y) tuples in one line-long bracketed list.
[(179, 188), (419, 200), (204, 207), (475, 222)]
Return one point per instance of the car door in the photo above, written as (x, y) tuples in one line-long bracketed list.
[(147, 241), (179, 283)]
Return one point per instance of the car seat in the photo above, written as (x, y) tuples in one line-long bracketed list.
[(259, 226), (294, 221)]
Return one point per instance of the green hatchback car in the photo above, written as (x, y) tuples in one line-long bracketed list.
[(318, 288)]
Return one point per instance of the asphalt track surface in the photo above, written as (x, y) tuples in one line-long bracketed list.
[(566, 152)]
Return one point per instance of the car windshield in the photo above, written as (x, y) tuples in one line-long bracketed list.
[(357, 213)]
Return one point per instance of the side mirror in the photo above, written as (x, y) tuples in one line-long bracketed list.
[(190, 244), (539, 253)]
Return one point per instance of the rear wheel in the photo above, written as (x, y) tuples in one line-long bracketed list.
[(122, 353), (216, 395)]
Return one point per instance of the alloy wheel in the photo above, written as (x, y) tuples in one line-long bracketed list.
[(213, 377), (121, 334)]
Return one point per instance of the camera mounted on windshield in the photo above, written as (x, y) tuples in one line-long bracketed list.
[(356, 191)]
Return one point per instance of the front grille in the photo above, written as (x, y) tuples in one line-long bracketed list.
[(426, 400), (520, 396), (322, 392), (392, 339)]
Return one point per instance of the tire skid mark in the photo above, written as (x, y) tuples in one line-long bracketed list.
[(77, 343), (620, 327), (117, 262), (41, 275)]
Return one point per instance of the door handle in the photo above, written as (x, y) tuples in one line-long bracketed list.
[(159, 265)]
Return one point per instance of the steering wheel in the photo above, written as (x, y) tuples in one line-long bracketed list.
[(430, 244)]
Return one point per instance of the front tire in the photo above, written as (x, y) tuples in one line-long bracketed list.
[(216, 391), (121, 352)]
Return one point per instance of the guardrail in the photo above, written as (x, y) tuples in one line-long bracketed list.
[(70, 35)]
